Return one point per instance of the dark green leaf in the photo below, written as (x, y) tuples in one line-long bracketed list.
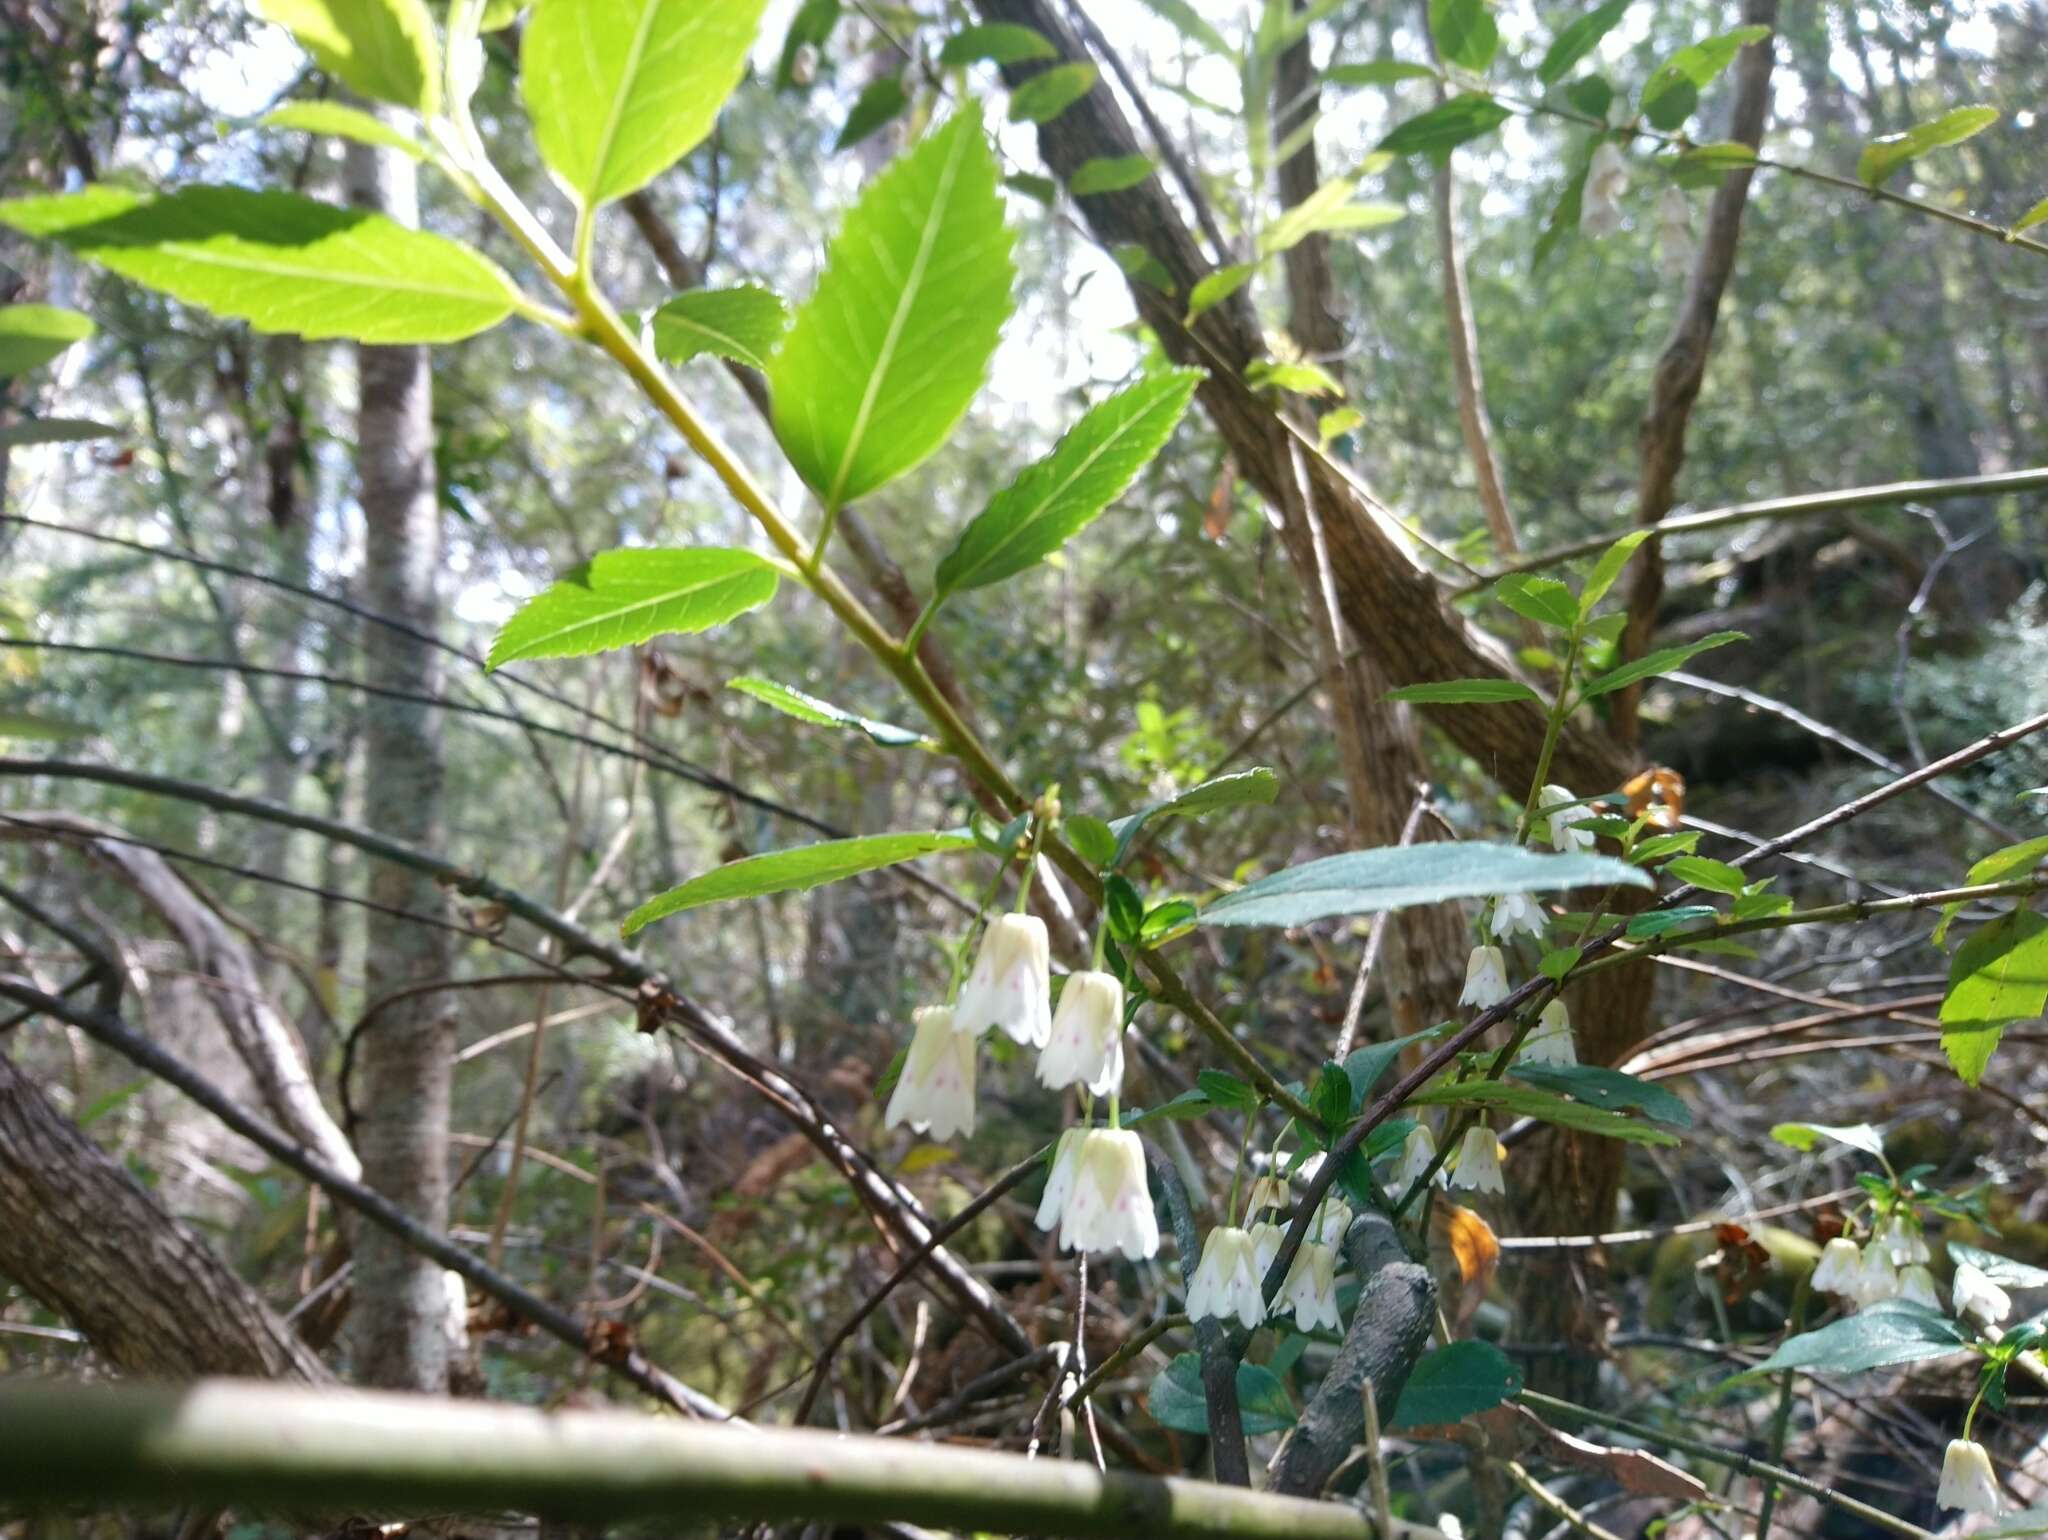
[(1894, 1331), (808, 708), (999, 42), (1592, 95), (1126, 909), (1657, 921), (1176, 1399), (1395, 877), (1607, 1088), (878, 102), (1465, 692), (741, 324), (1242, 788), (1110, 173), (1453, 1382), (52, 430), (783, 871), (1443, 128), (1662, 661), (622, 598), (1330, 1098), (1163, 919), (1225, 1090), (1556, 965), (1526, 1101), (1465, 32), (1051, 92), (1563, 220), (1366, 1065), (1673, 90), (1580, 37), (1042, 188)]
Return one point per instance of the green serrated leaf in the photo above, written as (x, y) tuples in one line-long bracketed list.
[(1377, 72), (742, 324), (1057, 497), (1999, 975), (1110, 173), (1673, 89), (1090, 837), (32, 335), (344, 122), (1608, 568), (622, 598), (1894, 1331), (281, 262), (1225, 1090), (1662, 661), (1660, 845), (1443, 128), (1543, 600), (1395, 877), (1465, 692), (999, 42), (1882, 157), (1579, 38), (1051, 92), (1453, 1382), (382, 48), (1217, 287), (808, 708), (784, 871), (895, 341), (1244, 787), (1465, 33), (620, 90), (1713, 876)]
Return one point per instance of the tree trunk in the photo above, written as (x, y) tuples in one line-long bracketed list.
[(85, 1238), (401, 1311)]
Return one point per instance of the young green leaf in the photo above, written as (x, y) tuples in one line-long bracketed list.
[(622, 598), (1882, 157), (32, 335), (999, 42), (1330, 1097), (1657, 922), (1056, 498), (784, 871), (1608, 568), (742, 324), (878, 102), (1302, 379), (2036, 215), (1705, 164), (1465, 32), (1051, 92), (382, 48), (52, 430), (1126, 910), (281, 262), (1376, 72), (892, 345), (1217, 287), (1110, 173), (1454, 1382), (1395, 877), (1673, 89), (1999, 975), (1443, 128), (1714, 876), (1579, 38), (1139, 264), (620, 90), (1226, 1090), (1663, 661), (1329, 207), (1543, 600), (41, 729), (344, 122), (1893, 1331), (819, 713), (1465, 692), (1245, 787)]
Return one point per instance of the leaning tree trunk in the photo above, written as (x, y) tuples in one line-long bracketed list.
[(401, 1304)]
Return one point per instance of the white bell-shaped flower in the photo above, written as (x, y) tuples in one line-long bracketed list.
[(1562, 835), (1059, 1182), (1974, 1294), (1840, 1269), (1486, 978), (1478, 1165), (1226, 1283), (1514, 912), (1331, 1224), (935, 1092), (1010, 985), (1966, 1479), (1551, 1042), (1903, 1240), (1877, 1279), (1418, 1150), (1110, 1205), (1267, 1192), (1266, 1237), (1311, 1287), (1600, 199), (1917, 1284), (1086, 1047)]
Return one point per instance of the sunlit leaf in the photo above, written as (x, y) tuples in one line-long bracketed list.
[(1217, 287), (1662, 661), (1110, 173), (1806, 1136), (32, 335), (1244, 788), (1051, 92), (1673, 89), (820, 713), (1999, 975), (1609, 1089), (1528, 1101), (1882, 157), (1579, 38), (1464, 31), (1329, 207), (1465, 692), (344, 122), (2036, 215), (623, 598), (999, 42), (742, 324), (1543, 600), (1395, 877), (785, 871), (383, 48), (1608, 568)]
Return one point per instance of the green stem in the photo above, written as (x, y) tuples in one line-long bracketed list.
[(1781, 1419), (918, 626), (1123, 1355), (1560, 709)]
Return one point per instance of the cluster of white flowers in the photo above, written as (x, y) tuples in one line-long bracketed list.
[(1229, 1281), (1097, 1195), (1893, 1265)]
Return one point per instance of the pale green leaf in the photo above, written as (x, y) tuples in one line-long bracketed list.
[(620, 90), (344, 122), (1217, 287), (891, 347), (383, 48), (1464, 692), (1327, 208), (1376, 72), (1608, 568), (879, 102), (1999, 975), (819, 713), (1713, 876), (1110, 173), (1882, 157), (1054, 499), (623, 598), (281, 262), (1443, 128), (2036, 215), (41, 729), (1541, 599), (742, 324), (785, 871), (32, 335), (1663, 661), (1579, 38), (1465, 32), (1396, 877), (999, 42), (1458, 1380), (1051, 92), (1300, 379), (1528, 1101)]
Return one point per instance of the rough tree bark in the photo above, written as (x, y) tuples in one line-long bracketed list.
[(84, 1237), (400, 1317)]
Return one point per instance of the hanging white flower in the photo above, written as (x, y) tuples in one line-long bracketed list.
[(1478, 1162), (1311, 1287), (1331, 1224), (1226, 1282), (1876, 1279), (1267, 1192), (1086, 1046), (1903, 1240), (1675, 245), (1966, 1479), (1600, 201), (1551, 1042), (935, 1091), (1562, 835), (1917, 1284), (1110, 1205), (1011, 982), (1266, 1237), (1486, 978), (1418, 1150), (1514, 912), (1840, 1269), (1973, 1293), (1059, 1182)]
